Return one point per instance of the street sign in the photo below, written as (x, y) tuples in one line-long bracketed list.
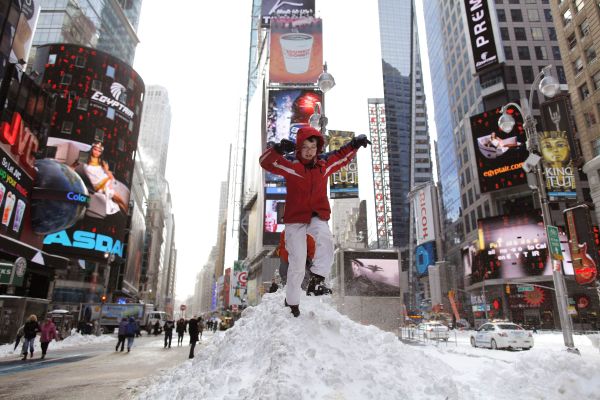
[(5, 273), (13, 274), (183, 307), (525, 288), (554, 242)]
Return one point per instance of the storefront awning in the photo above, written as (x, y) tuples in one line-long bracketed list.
[(19, 249)]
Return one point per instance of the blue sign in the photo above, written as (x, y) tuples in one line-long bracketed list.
[(424, 257)]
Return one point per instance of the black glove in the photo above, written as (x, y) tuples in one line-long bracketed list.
[(360, 140), (285, 146)]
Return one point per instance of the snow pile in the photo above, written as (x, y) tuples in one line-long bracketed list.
[(75, 340), (269, 354)]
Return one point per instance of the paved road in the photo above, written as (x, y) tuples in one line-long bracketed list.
[(91, 371)]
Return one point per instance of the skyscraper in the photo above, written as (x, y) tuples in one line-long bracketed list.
[(406, 114), (155, 128)]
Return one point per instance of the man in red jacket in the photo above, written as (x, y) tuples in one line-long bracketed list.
[(307, 207)]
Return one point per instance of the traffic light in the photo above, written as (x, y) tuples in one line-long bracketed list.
[(103, 298), (507, 289)]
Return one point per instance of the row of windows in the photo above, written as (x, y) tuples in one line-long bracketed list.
[(519, 1), (533, 15), (523, 53), (567, 15), (584, 91), (520, 33), (584, 31)]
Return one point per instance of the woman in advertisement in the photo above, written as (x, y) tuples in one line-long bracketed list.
[(103, 180)]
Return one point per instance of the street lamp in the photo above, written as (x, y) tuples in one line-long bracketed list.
[(549, 87), (325, 82)]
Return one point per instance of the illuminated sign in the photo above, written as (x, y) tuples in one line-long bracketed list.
[(424, 257), (78, 197), (371, 273), (101, 98), (288, 9), (343, 184), (87, 241), (484, 52), (22, 142)]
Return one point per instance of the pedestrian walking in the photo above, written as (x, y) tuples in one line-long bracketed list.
[(130, 333), (122, 334), (215, 325), (168, 328), (200, 326), (30, 330), (193, 330), (180, 331), (19, 336), (48, 333), (307, 208)]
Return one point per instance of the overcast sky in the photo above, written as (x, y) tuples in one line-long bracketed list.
[(199, 52)]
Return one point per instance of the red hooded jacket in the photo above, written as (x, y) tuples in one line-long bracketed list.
[(307, 182)]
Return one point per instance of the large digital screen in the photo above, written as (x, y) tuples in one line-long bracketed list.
[(424, 257), (94, 131), (499, 155), (296, 50), (343, 184), (371, 273), (273, 223), (286, 9), (510, 247)]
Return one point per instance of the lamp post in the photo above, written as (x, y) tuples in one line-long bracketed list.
[(325, 83), (549, 87)]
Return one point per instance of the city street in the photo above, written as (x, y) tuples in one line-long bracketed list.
[(92, 370)]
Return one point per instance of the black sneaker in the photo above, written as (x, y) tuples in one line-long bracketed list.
[(316, 286), (295, 309)]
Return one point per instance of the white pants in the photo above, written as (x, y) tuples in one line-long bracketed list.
[(295, 244)]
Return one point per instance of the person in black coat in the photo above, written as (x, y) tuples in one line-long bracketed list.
[(194, 331), (181, 329), (274, 286), (168, 328), (30, 330)]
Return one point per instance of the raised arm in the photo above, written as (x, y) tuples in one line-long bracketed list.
[(337, 159)]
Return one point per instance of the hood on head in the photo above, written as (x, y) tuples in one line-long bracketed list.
[(131, 319), (305, 133)]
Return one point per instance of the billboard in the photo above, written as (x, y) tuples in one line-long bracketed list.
[(296, 52), (371, 273), (286, 9), (511, 247), (558, 149), (425, 256), (424, 218), (343, 184), (582, 244), (484, 48), (24, 30), (288, 111), (381, 173), (273, 223), (94, 131), (239, 284), (499, 155)]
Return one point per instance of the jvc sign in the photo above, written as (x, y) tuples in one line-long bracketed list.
[(483, 43)]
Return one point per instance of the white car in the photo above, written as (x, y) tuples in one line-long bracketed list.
[(434, 330), (502, 335)]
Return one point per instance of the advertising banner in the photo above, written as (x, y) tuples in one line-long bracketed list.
[(484, 46), (24, 30), (582, 244), (286, 9), (296, 50), (500, 156), (381, 173), (287, 112), (371, 273), (343, 184), (239, 284), (273, 222), (425, 256), (558, 149), (513, 246), (94, 131), (113, 313), (424, 217)]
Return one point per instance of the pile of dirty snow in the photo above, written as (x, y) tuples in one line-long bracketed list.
[(75, 340)]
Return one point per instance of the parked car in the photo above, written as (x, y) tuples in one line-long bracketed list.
[(433, 330), (502, 335)]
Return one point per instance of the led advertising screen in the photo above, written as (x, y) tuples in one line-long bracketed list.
[(273, 222), (371, 273), (582, 244), (287, 112), (557, 148), (511, 247), (296, 50), (500, 156), (343, 184), (424, 257), (94, 131), (286, 9)]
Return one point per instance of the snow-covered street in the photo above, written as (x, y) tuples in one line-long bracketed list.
[(324, 355)]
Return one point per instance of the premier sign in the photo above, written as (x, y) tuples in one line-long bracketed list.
[(481, 34)]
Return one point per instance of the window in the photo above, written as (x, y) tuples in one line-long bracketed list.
[(511, 74), (584, 28), (596, 148), (560, 73), (508, 52), (520, 34), (504, 34), (98, 135), (556, 52), (82, 104), (516, 15), (97, 85), (79, 61), (533, 15), (552, 33), (578, 66), (110, 71), (590, 54), (513, 95), (590, 119), (527, 72), (52, 59), (110, 113), (584, 92), (66, 79), (537, 34), (572, 41), (578, 4), (67, 127), (548, 14), (596, 79), (540, 53), (501, 15), (567, 17), (523, 52)]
